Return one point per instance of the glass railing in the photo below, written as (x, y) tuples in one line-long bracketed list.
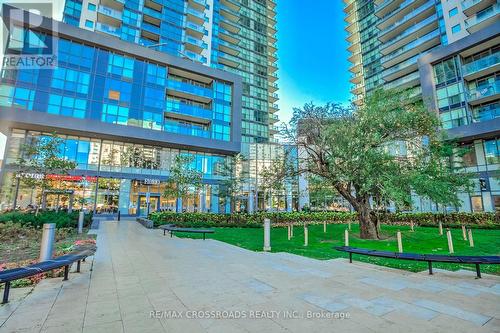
[(189, 88), (407, 17), (482, 16), (102, 27), (229, 57), (150, 27), (486, 113), (175, 127), (483, 63), (397, 9), (194, 56), (485, 91), (224, 31), (469, 3), (151, 12), (195, 27), (401, 65), (196, 13), (200, 2), (402, 80), (110, 12), (410, 30), (416, 42), (227, 9), (186, 109), (195, 41), (227, 44)]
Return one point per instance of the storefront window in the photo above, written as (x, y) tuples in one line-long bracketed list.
[(491, 151), (476, 203)]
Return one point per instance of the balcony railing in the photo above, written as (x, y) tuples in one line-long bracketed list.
[(151, 28), (196, 13), (110, 12), (483, 63), (195, 27), (403, 80), (186, 109), (416, 42), (408, 17), (189, 88), (397, 9), (408, 62), (482, 16), (482, 92), (175, 127), (195, 41), (486, 113), (102, 27), (151, 12), (411, 30)]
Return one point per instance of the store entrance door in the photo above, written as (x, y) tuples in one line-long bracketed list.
[(142, 206)]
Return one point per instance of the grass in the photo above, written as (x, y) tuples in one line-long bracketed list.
[(424, 240)]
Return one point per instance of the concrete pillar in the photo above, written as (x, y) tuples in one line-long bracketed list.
[(81, 216), (47, 243), (178, 205), (267, 235), (250, 204)]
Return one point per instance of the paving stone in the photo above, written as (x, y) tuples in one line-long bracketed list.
[(477, 319)]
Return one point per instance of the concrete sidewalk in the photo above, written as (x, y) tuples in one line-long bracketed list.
[(144, 282)]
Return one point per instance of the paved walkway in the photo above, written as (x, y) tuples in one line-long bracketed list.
[(137, 271)]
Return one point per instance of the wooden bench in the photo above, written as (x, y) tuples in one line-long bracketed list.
[(9, 275), (172, 228), (430, 258)]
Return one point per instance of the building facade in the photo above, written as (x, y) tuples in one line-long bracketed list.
[(411, 33), (124, 112), (234, 36)]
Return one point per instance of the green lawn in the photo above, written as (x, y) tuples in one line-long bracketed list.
[(423, 240)]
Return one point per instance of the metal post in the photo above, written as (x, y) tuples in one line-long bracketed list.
[(119, 215), (400, 242), (430, 267), (66, 272), (18, 181), (267, 235), (450, 241), (80, 221), (97, 178), (78, 266), (478, 271), (6, 292), (47, 243)]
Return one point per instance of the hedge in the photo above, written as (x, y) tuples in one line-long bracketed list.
[(242, 220), (61, 219)]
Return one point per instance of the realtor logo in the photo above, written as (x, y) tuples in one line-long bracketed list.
[(25, 45)]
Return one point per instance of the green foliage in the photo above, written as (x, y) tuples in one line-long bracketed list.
[(479, 220), (233, 177), (61, 219), (184, 180)]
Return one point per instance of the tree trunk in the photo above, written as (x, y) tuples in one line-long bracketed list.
[(367, 227)]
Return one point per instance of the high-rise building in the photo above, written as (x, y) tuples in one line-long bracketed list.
[(447, 53), (231, 35)]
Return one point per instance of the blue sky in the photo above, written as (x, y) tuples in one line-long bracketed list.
[(312, 55)]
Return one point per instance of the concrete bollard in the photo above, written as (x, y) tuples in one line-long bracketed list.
[(450, 241), (306, 235), (440, 228), (411, 226), (346, 237), (267, 235), (400, 242), (81, 216), (47, 243), (464, 233), (289, 232), (324, 226), (471, 240)]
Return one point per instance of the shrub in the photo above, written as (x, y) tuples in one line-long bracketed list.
[(61, 219), (243, 220)]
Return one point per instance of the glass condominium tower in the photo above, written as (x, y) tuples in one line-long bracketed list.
[(447, 53), (237, 36)]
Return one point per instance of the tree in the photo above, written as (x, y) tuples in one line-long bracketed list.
[(41, 156), (378, 153), (233, 177), (184, 180)]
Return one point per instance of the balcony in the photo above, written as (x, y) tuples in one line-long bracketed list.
[(404, 8), (354, 47), (272, 67), (349, 5), (273, 108), (486, 112), (229, 13), (178, 128), (232, 4), (483, 19), (482, 67), (273, 97), (273, 119), (189, 90), (195, 16), (115, 4), (419, 29), (484, 94), (194, 44), (471, 7), (415, 16), (195, 30), (229, 25), (228, 60), (228, 47), (109, 16), (382, 8), (273, 77), (151, 28), (151, 12), (405, 82), (194, 56), (274, 129), (401, 69), (409, 50), (273, 87), (177, 109), (357, 77), (199, 5), (228, 36), (108, 29)]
